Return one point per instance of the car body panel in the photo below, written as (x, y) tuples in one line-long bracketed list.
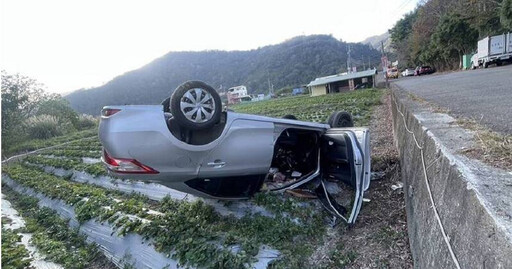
[(246, 149)]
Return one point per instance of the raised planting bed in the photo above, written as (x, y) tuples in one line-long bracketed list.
[(43, 143), (14, 254), (56, 244), (193, 233)]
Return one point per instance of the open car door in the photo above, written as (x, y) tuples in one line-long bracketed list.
[(345, 161)]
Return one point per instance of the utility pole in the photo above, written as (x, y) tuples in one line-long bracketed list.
[(349, 59), (385, 64), (270, 87)]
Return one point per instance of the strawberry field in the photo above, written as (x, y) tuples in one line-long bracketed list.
[(318, 108), (66, 196)]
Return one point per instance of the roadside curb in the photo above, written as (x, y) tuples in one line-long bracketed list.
[(458, 209)]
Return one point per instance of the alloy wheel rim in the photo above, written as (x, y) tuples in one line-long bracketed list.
[(197, 105)]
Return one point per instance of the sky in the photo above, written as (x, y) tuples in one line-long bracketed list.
[(73, 44)]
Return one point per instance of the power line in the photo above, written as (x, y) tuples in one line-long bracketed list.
[(401, 6)]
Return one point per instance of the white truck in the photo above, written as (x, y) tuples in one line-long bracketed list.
[(493, 50)]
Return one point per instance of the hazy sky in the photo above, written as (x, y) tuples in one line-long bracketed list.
[(69, 44)]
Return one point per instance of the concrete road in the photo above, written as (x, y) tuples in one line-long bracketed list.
[(484, 95)]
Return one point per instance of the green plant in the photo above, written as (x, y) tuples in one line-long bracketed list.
[(14, 255), (34, 144), (43, 127), (52, 236), (318, 108), (86, 122)]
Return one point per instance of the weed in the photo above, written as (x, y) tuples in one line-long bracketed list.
[(490, 147)]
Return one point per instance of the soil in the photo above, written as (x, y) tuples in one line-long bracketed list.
[(379, 237)]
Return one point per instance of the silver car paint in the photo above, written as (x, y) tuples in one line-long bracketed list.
[(140, 132)]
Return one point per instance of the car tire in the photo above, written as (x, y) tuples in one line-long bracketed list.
[(340, 119), (195, 112), (166, 103), (289, 117)]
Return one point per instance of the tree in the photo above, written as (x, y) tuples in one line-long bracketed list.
[(506, 14), (454, 36), (403, 28), (401, 35), (23, 99), (20, 96)]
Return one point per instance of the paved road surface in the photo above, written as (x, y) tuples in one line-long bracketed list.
[(484, 95)]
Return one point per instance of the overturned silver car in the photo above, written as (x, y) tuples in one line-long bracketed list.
[(190, 144)]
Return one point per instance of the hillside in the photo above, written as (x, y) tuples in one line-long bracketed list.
[(294, 62), (375, 42)]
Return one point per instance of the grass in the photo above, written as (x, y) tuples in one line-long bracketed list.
[(340, 257), (490, 147), (318, 108)]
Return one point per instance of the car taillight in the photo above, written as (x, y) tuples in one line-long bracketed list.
[(107, 112), (126, 166)]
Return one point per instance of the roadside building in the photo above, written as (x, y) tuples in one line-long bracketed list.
[(237, 94), (342, 82)]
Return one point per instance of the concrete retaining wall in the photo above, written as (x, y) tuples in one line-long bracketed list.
[(473, 200)]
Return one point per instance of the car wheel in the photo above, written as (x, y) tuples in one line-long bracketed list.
[(340, 119), (196, 105), (290, 117), (166, 103)]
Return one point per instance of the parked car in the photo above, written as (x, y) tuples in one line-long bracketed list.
[(189, 144), (408, 72), (423, 70), (392, 73)]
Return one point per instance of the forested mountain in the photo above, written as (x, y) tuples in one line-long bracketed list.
[(292, 63)]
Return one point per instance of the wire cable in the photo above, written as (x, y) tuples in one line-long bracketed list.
[(438, 218)]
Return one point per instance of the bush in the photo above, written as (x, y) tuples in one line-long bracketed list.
[(43, 127), (86, 122)]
